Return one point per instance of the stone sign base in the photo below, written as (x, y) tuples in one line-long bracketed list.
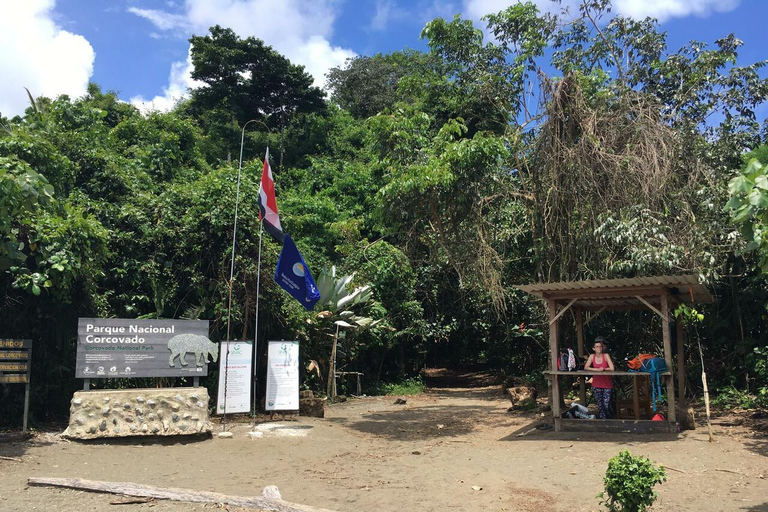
[(138, 412)]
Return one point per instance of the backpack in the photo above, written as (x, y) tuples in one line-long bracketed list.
[(636, 363), (655, 366), (567, 361)]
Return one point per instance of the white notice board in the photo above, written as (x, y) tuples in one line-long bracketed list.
[(283, 376), (237, 367)]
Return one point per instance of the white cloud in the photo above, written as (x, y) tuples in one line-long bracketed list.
[(179, 81), (386, 11), (299, 29), (666, 9), (663, 10), (161, 19), (39, 55)]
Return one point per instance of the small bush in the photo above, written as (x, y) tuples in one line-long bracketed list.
[(732, 398), (412, 386), (629, 483)]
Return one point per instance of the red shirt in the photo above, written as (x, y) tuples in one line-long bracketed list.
[(601, 381)]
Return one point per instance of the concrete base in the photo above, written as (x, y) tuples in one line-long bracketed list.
[(138, 412)]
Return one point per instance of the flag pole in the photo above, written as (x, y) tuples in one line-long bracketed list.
[(256, 327), (232, 274)]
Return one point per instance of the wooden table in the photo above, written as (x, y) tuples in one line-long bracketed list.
[(582, 374)]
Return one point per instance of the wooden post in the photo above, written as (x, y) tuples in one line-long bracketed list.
[(580, 347), (668, 357), (553, 357), (636, 396), (680, 361), (26, 390)]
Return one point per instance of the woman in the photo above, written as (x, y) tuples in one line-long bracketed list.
[(602, 385)]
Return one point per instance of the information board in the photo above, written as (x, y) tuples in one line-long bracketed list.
[(16, 366), (236, 368), (282, 376), (127, 348)]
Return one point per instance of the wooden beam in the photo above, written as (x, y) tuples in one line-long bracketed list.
[(680, 361), (595, 315), (618, 426), (269, 501), (562, 312), (592, 373), (553, 356), (650, 306), (580, 348), (671, 412), (588, 293)]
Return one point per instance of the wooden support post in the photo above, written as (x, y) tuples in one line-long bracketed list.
[(636, 395), (553, 357), (26, 407), (26, 390), (580, 347), (668, 357), (680, 361)]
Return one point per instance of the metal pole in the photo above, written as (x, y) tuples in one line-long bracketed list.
[(232, 272), (256, 327)]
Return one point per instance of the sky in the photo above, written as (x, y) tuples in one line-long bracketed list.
[(140, 48)]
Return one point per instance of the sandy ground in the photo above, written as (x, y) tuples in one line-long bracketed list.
[(369, 454)]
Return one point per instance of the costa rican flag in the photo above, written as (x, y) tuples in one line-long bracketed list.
[(268, 204)]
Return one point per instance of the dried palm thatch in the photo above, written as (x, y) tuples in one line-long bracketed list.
[(596, 153)]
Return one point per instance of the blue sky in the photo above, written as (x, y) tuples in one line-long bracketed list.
[(139, 48)]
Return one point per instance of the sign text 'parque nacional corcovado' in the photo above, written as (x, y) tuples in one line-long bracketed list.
[(127, 348)]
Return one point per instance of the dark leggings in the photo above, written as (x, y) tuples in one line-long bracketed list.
[(603, 399)]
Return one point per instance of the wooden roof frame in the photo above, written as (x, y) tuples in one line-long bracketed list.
[(659, 294)]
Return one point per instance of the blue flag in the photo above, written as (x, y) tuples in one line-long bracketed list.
[(293, 274)]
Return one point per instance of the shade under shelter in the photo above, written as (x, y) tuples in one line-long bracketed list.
[(587, 299)]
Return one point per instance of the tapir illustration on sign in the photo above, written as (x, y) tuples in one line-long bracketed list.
[(181, 344)]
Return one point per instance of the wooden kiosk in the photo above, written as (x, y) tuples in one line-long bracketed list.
[(660, 294)]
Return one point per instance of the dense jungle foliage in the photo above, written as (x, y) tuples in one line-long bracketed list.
[(536, 148)]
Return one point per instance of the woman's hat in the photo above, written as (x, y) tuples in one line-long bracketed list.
[(599, 339)]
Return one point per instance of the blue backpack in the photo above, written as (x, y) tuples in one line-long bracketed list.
[(655, 367)]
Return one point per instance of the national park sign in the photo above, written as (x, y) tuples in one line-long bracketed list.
[(126, 348)]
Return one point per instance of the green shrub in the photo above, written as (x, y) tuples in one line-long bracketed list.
[(629, 483), (732, 398), (412, 386)]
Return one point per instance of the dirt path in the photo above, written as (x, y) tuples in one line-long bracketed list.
[(369, 454)]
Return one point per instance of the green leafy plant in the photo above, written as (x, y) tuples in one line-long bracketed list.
[(410, 386), (629, 483), (732, 398)]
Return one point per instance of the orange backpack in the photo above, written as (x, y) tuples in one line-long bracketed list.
[(637, 362)]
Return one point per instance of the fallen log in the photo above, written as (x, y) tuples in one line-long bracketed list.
[(270, 500)]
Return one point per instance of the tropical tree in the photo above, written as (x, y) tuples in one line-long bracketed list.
[(339, 307)]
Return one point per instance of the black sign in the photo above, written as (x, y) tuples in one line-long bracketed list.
[(14, 378), (14, 361), (15, 366), (15, 355), (125, 348), (16, 344)]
